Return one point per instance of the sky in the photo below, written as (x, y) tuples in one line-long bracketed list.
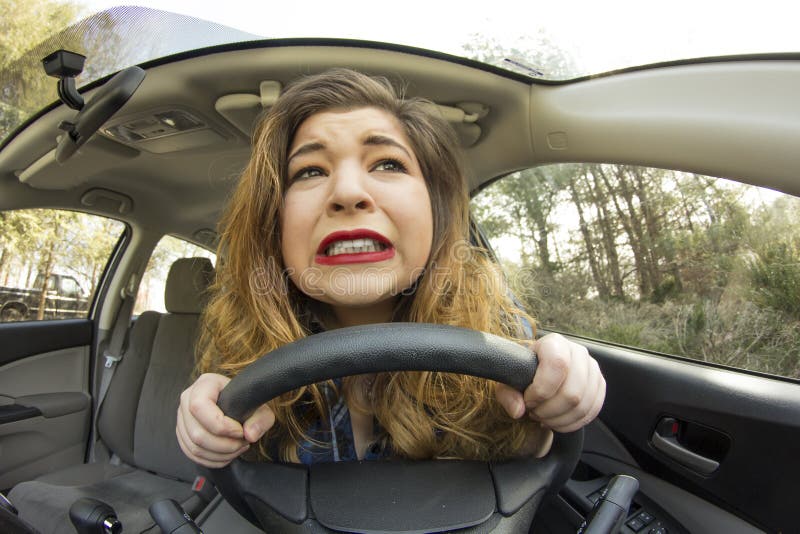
[(600, 36)]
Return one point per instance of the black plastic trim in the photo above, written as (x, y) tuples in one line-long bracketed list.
[(20, 340), (402, 497), (758, 413), (16, 412)]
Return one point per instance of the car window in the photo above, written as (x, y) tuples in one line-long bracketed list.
[(671, 262), (150, 296), (51, 262)]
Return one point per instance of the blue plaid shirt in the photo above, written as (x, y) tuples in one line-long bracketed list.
[(336, 436)]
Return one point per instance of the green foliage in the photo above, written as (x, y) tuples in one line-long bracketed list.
[(671, 262), (775, 276), (57, 241), (32, 29), (24, 27)]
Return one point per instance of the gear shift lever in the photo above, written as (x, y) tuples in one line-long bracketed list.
[(90, 516)]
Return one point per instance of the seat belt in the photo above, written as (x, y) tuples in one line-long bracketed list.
[(112, 355)]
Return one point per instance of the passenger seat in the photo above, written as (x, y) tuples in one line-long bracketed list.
[(136, 421)]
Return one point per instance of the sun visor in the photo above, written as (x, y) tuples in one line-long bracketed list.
[(94, 157), (242, 111)]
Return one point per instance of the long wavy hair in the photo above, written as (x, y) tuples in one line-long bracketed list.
[(254, 308)]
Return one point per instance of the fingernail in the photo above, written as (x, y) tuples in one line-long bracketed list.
[(519, 409)]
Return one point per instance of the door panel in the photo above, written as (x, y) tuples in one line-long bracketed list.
[(757, 474), (693, 513), (53, 384)]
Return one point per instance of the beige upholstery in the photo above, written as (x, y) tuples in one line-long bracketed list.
[(186, 285), (137, 420)]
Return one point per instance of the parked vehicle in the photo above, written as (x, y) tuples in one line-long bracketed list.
[(62, 296)]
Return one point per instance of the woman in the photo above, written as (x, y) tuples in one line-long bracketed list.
[(353, 210)]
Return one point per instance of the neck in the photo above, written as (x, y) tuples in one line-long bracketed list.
[(380, 312)]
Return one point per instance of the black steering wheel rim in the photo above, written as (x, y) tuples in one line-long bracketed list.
[(313, 495)]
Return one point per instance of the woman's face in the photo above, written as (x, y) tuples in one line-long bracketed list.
[(357, 224)]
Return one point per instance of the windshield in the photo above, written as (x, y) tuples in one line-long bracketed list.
[(556, 41)]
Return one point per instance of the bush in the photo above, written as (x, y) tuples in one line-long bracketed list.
[(775, 276), (732, 333)]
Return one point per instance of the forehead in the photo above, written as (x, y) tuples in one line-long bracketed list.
[(361, 123)]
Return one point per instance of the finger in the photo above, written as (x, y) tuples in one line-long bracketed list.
[(588, 409), (258, 423), (202, 444), (198, 454), (202, 406), (510, 399), (572, 392), (554, 362)]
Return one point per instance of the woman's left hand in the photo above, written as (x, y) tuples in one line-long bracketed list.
[(567, 391)]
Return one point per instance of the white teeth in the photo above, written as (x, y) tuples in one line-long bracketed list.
[(354, 246)]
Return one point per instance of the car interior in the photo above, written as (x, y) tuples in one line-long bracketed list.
[(164, 163)]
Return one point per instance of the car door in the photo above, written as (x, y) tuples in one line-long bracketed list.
[(679, 285), (45, 400)]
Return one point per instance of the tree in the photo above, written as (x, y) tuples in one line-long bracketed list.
[(24, 26), (32, 29)]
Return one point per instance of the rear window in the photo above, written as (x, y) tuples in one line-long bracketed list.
[(154, 281), (52, 261)]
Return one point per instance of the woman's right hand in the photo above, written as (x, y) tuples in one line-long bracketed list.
[(209, 437)]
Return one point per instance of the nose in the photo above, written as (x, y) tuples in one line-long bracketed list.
[(349, 193)]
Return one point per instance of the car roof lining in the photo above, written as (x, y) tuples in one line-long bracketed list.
[(698, 118)]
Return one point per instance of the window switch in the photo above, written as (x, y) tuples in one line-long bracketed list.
[(645, 518), (635, 524)]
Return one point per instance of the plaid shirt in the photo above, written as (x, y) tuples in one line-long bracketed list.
[(336, 436)]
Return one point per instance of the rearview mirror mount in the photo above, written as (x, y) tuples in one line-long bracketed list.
[(65, 65)]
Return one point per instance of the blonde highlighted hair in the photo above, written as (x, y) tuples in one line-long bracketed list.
[(254, 308)]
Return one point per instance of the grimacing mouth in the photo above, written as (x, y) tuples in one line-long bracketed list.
[(357, 241)]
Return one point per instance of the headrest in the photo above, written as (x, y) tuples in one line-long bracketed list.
[(187, 283)]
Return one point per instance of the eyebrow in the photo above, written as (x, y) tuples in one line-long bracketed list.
[(372, 140), (382, 140), (305, 149)]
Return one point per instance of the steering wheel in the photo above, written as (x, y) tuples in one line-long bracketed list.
[(389, 496)]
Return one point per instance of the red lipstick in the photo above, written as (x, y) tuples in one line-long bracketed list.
[(355, 257)]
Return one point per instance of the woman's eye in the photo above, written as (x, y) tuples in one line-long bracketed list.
[(308, 172), (391, 165)]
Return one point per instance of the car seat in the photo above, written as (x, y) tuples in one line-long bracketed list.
[(136, 421)]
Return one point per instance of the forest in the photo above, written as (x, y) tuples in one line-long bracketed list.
[(672, 262)]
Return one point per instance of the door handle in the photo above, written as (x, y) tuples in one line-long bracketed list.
[(665, 440), (16, 412)]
